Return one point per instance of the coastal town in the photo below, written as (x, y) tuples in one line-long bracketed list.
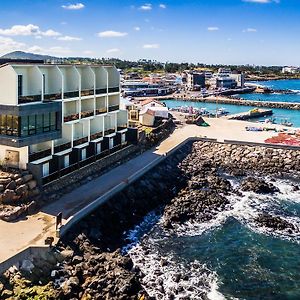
[(154, 158)]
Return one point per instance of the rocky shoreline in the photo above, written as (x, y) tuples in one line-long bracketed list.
[(188, 186)]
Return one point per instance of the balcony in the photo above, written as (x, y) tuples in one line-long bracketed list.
[(113, 108), (109, 131), (73, 94), (101, 91), (101, 111), (87, 93), (114, 89), (72, 117), (122, 127), (39, 155), (96, 136), (86, 114), (62, 147), (80, 141), (51, 97), (29, 99)]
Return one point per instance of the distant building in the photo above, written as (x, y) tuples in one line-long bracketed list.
[(224, 71), (239, 79), (144, 89), (195, 81), (149, 115), (290, 70)]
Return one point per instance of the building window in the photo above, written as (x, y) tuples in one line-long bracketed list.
[(44, 83), (23, 126), (45, 169), (98, 148), (66, 161), (20, 85), (83, 154)]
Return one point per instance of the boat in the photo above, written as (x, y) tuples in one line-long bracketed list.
[(222, 111), (287, 123)]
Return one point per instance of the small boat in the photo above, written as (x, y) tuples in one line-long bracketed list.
[(287, 123), (222, 111)]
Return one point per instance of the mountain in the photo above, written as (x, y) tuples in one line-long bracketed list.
[(26, 55)]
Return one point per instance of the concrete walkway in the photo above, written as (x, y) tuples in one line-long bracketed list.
[(33, 230)]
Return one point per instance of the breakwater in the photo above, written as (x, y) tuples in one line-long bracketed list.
[(87, 262), (241, 102)]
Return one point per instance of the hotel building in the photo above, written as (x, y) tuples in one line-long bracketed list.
[(55, 119)]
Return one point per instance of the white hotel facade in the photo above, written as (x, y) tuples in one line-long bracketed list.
[(55, 119)]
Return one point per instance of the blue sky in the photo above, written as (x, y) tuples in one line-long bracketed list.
[(261, 32)]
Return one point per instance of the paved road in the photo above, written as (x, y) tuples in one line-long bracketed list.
[(34, 229)]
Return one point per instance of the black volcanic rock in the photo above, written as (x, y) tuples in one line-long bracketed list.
[(258, 185)]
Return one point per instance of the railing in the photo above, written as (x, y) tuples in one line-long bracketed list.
[(101, 91), (71, 118), (122, 126), (97, 135), (109, 131), (29, 99), (65, 171), (87, 93), (86, 114), (39, 155), (114, 89), (62, 147), (73, 94), (50, 97), (80, 141), (113, 108), (100, 111)]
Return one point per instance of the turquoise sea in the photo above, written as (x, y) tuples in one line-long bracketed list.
[(279, 114)]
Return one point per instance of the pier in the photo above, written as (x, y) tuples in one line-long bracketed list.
[(254, 113)]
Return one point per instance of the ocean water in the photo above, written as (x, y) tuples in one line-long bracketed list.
[(230, 257), (279, 114), (293, 85)]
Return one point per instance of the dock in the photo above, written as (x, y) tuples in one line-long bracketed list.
[(253, 113)]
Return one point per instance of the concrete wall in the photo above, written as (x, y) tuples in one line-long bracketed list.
[(8, 86), (28, 253), (23, 155)]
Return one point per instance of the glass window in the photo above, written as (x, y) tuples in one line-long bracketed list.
[(9, 121), (20, 85), (53, 121), (15, 126), (24, 126), (3, 124), (32, 124), (39, 124), (46, 122)]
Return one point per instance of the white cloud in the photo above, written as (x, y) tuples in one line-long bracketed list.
[(137, 28), (213, 28), (76, 6), (68, 38), (262, 1), (113, 50), (250, 30), (151, 46), (8, 45), (27, 30), (146, 6), (163, 6), (111, 34), (52, 50), (50, 33)]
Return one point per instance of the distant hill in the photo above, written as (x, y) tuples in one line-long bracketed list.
[(26, 55)]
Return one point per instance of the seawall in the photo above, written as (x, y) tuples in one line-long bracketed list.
[(241, 102)]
